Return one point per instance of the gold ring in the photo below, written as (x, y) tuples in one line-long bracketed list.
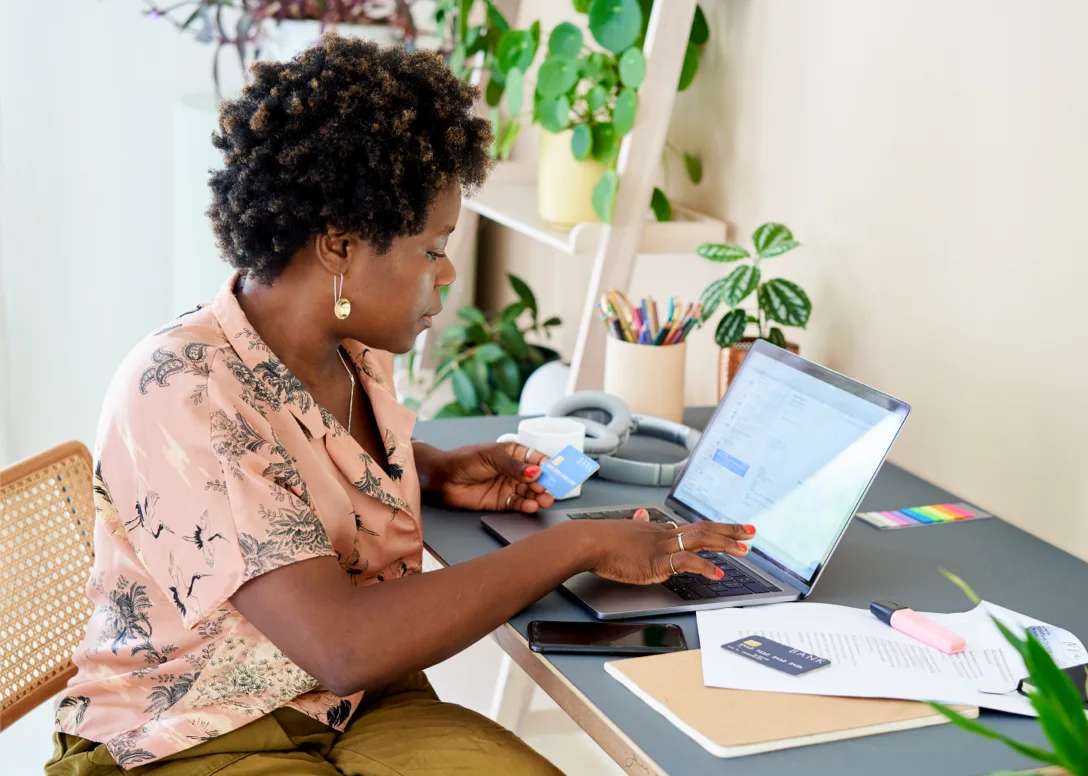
[(671, 566), (680, 539), (508, 500)]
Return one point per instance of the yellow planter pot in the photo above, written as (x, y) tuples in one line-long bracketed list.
[(565, 185)]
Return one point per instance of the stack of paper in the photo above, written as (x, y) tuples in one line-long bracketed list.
[(871, 660)]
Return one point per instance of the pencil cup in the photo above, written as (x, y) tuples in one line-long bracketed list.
[(649, 378)]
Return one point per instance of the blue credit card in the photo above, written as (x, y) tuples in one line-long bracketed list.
[(776, 655), (566, 470)]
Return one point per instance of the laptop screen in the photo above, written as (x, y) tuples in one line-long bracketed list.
[(791, 450)]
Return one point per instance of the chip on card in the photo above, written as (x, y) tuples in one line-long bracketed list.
[(566, 470), (776, 655)]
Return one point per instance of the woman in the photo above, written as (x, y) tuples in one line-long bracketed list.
[(258, 602)]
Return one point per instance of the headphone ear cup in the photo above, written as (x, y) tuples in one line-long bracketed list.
[(588, 405), (599, 440)]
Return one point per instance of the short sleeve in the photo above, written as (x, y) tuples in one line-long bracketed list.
[(222, 498)]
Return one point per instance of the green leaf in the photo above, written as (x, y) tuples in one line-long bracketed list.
[(534, 33), (556, 76), (769, 237), (512, 341), (740, 283), (974, 726), (659, 203), (453, 338), (555, 320), (1056, 685), (453, 410), (411, 403), (508, 376), (513, 128), (776, 337), (525, 294), (457, 61), (489, 353), (493, 93), (647, 6), (694, 167), (604, 195), (722, 252), (565, 41), (479, 374), (554, 113), (967, 591), (444, 370), (478, 335), (615, 24), (581, 142), (470, 313), (596, 98), (700, 30), (503, 404), (515, 92), (478, 40), (464, 390), (712, 296), (632, 68), (690, 67), (463, 16), (779, 249), (444, 293), (623, 114), (731, 328), (785, 302), (511, 312), (495, 19), (581, 6), (605, 145), (516, 50)]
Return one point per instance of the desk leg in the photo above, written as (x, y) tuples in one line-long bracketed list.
[(610, 738), (513, 694)]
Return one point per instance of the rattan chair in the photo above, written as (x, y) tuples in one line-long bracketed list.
[(46, 551)]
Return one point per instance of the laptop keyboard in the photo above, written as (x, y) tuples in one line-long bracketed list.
[(694, 587)]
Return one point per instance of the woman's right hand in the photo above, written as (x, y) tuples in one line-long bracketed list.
[(637, 551)]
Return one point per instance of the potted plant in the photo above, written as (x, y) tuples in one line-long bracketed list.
[(488, 361), (1062, 715), (777, 301), (586, 100)]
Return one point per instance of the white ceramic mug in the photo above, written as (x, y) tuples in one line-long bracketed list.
[(549, 436)]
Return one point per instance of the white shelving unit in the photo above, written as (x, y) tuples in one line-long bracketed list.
[(509, 197)]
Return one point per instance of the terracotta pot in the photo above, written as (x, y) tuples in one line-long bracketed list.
[(730, 359)]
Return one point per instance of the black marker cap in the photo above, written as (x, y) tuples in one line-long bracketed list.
[(884, 610)]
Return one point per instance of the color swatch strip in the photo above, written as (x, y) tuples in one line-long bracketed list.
[(933, 514)]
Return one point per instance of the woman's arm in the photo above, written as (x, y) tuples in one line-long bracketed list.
[(351, 639)]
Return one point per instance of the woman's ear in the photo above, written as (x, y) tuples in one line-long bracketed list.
[(334, 250)]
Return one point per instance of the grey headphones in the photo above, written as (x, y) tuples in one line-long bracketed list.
[(609, 424)]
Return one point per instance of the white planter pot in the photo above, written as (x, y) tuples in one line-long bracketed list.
[(289, 37)]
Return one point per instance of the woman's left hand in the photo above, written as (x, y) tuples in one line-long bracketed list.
[(496, 477)]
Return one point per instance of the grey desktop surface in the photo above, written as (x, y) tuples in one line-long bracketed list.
[(1001, 562)]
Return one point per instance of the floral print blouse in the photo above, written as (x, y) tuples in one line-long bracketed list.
[(214, 465)]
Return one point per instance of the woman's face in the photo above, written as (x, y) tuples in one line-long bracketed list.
[(394, 296)]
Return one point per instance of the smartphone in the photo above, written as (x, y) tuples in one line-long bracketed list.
[(1079, 675), (605, 638)]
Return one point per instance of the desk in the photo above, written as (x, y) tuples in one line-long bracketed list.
[(1002, 563)]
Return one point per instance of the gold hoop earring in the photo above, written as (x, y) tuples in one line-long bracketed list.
[(341, 307)]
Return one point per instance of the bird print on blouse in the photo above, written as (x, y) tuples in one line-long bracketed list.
[(214, 465)]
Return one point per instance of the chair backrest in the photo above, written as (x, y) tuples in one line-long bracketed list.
[(46, 553)]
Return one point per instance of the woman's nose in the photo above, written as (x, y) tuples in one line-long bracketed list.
[(446, 272)]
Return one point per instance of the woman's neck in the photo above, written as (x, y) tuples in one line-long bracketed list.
[(286, 316)]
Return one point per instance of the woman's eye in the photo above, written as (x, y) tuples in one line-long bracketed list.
[(435, 256)]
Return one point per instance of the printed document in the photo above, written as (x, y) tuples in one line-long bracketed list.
[(872, 660)]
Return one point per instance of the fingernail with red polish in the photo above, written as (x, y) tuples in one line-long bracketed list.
[(719, 573), (750, 529), (743, 547), (532, 471)]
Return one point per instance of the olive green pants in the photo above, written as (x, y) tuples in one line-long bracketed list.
[(405, 730)]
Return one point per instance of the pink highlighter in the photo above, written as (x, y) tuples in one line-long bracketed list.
[(916, 626)]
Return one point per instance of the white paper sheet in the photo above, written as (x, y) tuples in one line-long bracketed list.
[(871, 660)]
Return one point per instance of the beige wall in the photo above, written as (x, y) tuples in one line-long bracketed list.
[(933, 158)]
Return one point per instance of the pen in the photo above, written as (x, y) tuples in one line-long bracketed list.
[(916, 626)]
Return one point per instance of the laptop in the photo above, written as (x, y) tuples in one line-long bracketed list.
[(791, 449)]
